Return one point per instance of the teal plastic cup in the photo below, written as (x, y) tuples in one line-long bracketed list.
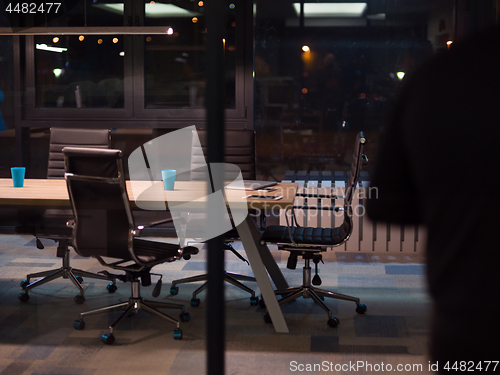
[(168, 177), (18, 176)]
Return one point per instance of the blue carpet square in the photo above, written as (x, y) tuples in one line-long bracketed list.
[(195, 266), (413, 269), (44, 241), (366, 281)]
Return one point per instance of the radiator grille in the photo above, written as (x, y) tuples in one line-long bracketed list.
[(367, 235)]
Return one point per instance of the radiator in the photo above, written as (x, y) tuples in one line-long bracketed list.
[(367, 235)]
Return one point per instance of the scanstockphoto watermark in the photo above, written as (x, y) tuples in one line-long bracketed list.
[(314, 205), (355, 366)]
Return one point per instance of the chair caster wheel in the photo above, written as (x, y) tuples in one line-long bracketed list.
[(174, 290), (262, 303), (111, 288), (79, 279), (195, 302), (24, 283), (23, 297), (108, 338), (79, 324), (254, 301), (79, 299), (267, 318), (184, 317), (178, 334), (361, 309), (333, 322)]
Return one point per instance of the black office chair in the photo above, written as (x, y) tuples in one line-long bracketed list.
[(309, 242), (103, 227), (239, 150), (52, 223)]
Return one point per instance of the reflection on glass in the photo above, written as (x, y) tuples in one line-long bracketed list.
[(79, 72), (87, 13), (174, 64), (323, 75)]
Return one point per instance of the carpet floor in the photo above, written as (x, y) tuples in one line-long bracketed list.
[(37, 337)]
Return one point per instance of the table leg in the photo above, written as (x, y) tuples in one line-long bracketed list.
[(260, 258)]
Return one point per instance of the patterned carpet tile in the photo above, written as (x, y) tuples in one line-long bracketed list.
[(38, 338)]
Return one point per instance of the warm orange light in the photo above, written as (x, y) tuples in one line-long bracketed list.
[(231, 48), (148, 39), (304, 91), (99, 41), (233, 24), (81, 38), (151, 2), (55, 39), (200, 3), (362, 95), (449, 43), (306, 49), (194, 19), (115, 40)]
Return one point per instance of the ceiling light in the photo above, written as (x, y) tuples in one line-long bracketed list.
[(156, 10), (331, 9), (45, 47)]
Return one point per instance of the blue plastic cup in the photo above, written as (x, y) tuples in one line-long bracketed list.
[(18, 176), (168, 177)]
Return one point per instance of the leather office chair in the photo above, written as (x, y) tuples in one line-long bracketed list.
[(239, 149), (103, 228), (52, 223), (309, 242)]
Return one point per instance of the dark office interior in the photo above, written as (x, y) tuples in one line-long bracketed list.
[(306, 77)]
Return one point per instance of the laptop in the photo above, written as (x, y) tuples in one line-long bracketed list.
[(250, 185)]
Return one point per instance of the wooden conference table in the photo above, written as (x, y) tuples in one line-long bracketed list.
[(52, 193)]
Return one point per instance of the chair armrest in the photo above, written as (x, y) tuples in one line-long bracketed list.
[(138, 230), (156, 223), (188, 251)]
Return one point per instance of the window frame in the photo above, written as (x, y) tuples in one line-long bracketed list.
[(134, 82)]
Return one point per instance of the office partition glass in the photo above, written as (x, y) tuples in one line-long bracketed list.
[(174, 63), (326, 70), (79, 71)]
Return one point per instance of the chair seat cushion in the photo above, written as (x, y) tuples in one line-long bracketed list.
[(302, 235)]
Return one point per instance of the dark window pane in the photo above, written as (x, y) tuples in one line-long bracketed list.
[(322, 78), (174, 64), (83, 71)]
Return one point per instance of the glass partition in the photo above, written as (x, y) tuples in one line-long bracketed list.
[(79, 71), (78, 13), (174, 64), (326, 70)]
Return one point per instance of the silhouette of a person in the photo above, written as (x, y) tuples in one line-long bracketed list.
[(437, 166)]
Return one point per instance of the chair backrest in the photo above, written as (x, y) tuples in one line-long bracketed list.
[(66, 137), (239, 149), (103, 219), (352, 182)]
